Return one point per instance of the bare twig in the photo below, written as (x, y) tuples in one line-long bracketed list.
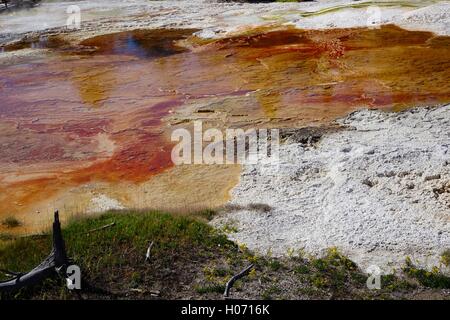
[(102, 228), (149, 252), (155, 293), (231, 282)]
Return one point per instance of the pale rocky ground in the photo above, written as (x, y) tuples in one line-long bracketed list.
[(379, 190), (217, 19), (320, 195)]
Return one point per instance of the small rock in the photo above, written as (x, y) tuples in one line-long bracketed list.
[(410, 185), (403, 174), (432, 177), (346, 149), (368, 182)]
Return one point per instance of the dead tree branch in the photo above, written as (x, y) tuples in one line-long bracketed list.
[(231, 282), (56, 261), (149, 252), (102, 228)]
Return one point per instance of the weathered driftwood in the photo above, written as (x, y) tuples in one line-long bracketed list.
[(56, 262), (102, 228), (148, 254), (231, 282)]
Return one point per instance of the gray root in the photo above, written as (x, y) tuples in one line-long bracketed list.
[(56, 262), (231, 282), (149, 252)]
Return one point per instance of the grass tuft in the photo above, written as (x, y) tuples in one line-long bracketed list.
[(430, 279), (11, 222), (445, 258)]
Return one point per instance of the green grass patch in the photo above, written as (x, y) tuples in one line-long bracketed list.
[(274, 264), (302, 269), (189, 258), (430, 279), (6, 237), (211, 288), (445, 258), (11, 222), (117, 252), (271, 293), (333, 271), (207, 214), (392, 283)]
